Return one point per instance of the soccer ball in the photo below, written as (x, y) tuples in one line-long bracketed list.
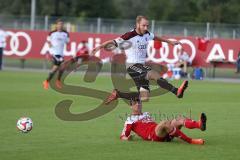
[(25, 124)]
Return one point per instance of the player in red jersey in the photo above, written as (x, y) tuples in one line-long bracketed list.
[(145, 127), (81, 56)]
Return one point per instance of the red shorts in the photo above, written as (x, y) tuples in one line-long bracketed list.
[(156, 138)]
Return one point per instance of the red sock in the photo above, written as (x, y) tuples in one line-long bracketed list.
[(189, 123), (177, 133)]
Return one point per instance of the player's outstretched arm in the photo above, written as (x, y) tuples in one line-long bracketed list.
[(126, 132), (125, 138), (103, 45), (167, 41)]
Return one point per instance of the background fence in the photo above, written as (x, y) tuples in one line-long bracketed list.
[(100, 25)]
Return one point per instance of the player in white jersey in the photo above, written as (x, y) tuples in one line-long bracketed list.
[(136, 56), (3, 37), (56, 39)]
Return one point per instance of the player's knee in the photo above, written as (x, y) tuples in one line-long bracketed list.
[(177, 123), (164, 124), (174, 122), (168, 123), (161, 125), (54, 68), (168, 127), (53, 71)]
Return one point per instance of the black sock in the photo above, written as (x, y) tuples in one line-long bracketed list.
[(164, 84), (128, 96), (60, 73), (50, 76)]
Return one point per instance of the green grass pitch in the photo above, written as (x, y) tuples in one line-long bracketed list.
[(21, 94)]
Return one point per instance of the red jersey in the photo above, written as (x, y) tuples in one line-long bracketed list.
[(82, 51), (142, 125)]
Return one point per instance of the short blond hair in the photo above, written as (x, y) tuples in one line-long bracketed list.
[(58, 21), (140, 17)]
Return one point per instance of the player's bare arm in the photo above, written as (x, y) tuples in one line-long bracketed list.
[(103, 45), (167, 41)]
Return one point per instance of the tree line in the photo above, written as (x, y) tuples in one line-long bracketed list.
[(217, 11)]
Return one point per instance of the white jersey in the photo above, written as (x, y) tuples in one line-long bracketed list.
[(3, 36), (142, 117), (184, 57), (58, 39), (137, 53)]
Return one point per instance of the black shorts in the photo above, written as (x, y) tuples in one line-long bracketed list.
[(138, 72), (57, 59)]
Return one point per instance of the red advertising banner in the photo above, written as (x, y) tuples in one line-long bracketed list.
[(32, 44)]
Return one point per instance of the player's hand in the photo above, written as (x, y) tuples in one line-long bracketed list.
[(125, 138)]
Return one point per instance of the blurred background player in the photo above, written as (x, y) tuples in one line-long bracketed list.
[(238, 63), (56, 39), (84, 50), (136, 57), (183, 62), (145, 127), (3, 36), (81, 56)]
